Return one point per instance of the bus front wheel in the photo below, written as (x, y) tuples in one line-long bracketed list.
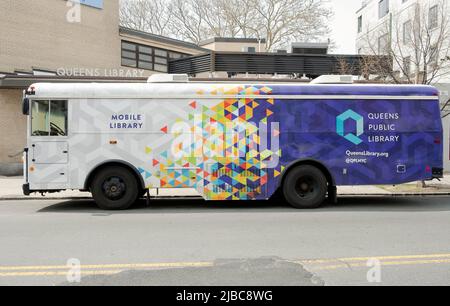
[(114, 188), (305, 187)]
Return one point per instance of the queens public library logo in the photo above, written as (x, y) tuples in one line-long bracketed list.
[(340, 126)]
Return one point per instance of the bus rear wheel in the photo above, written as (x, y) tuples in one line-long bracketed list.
[(114, 188), (305, 187)]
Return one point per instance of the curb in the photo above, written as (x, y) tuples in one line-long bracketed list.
[(397, 195), (41, 198), (90, 198)]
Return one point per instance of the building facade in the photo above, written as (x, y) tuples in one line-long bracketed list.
[(416, 33), (50, 34), (82, 41), (64, 40), (224, 44), (399, 28)]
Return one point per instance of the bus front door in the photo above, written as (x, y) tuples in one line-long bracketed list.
[(50, 160), (48, 149)]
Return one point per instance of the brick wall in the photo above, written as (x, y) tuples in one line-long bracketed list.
[(37, 34), (12, 125)]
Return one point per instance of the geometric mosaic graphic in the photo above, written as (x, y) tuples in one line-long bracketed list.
[(250, 162), (236, 164)]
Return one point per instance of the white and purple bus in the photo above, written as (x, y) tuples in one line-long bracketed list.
[(229, 141)]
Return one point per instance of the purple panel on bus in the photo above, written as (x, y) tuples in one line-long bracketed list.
[(362, 141)]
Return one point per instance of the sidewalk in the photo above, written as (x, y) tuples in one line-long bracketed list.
[(11, 189)]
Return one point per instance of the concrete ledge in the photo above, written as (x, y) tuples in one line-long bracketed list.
[(11, 169)]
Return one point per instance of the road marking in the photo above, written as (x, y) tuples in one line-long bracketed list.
[(358, 262), (313, 264), (385, 263), (381, 258), (58, 273), (114, 266)]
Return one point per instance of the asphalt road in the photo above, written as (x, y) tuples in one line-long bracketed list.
[(191, 242)]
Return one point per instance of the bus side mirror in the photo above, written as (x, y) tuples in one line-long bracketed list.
[(26, 106)]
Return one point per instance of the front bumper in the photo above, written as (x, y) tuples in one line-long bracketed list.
[(438, 173)]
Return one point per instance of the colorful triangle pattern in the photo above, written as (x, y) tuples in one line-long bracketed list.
[(239, 172)]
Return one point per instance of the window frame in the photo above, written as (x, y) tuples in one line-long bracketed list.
[(435, 10), (360, 21), (407, 69), (407, 37), (434, 56), (383, 8), (387, 42), (49, 121), (157, 60)]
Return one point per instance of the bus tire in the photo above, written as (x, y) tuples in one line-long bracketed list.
[(114, 188), (305, 187)]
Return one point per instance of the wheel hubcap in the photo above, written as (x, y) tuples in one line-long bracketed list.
[(306, 187), (114, 188)]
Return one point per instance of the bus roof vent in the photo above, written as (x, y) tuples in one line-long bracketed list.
[(333, 79), (168, 78)]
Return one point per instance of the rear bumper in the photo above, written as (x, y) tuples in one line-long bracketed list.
[(438, 173), (26, 189)]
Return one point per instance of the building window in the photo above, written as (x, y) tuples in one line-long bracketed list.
[(175, 55), (129, 54), (161, 60), (146, 57), (407, 29), (383, 44), (383, 8), (433, 17), (249, 49), (434, 56), (407, 66), (359, 24)]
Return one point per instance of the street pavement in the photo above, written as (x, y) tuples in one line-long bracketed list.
[(192, 242)]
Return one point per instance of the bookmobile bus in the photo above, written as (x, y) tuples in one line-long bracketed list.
[(228, 141)]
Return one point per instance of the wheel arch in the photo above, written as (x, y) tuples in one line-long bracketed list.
[(311, 162), (110, 163)]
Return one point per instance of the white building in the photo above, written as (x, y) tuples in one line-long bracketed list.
[(410, 31), (402, 28)]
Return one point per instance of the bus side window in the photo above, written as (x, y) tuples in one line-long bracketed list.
[(58, 118), (49, 118)]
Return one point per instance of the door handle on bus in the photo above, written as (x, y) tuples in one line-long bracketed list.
[(33, 146)]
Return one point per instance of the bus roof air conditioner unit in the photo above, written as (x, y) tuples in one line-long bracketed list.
[(168, 78), (333, 79)]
